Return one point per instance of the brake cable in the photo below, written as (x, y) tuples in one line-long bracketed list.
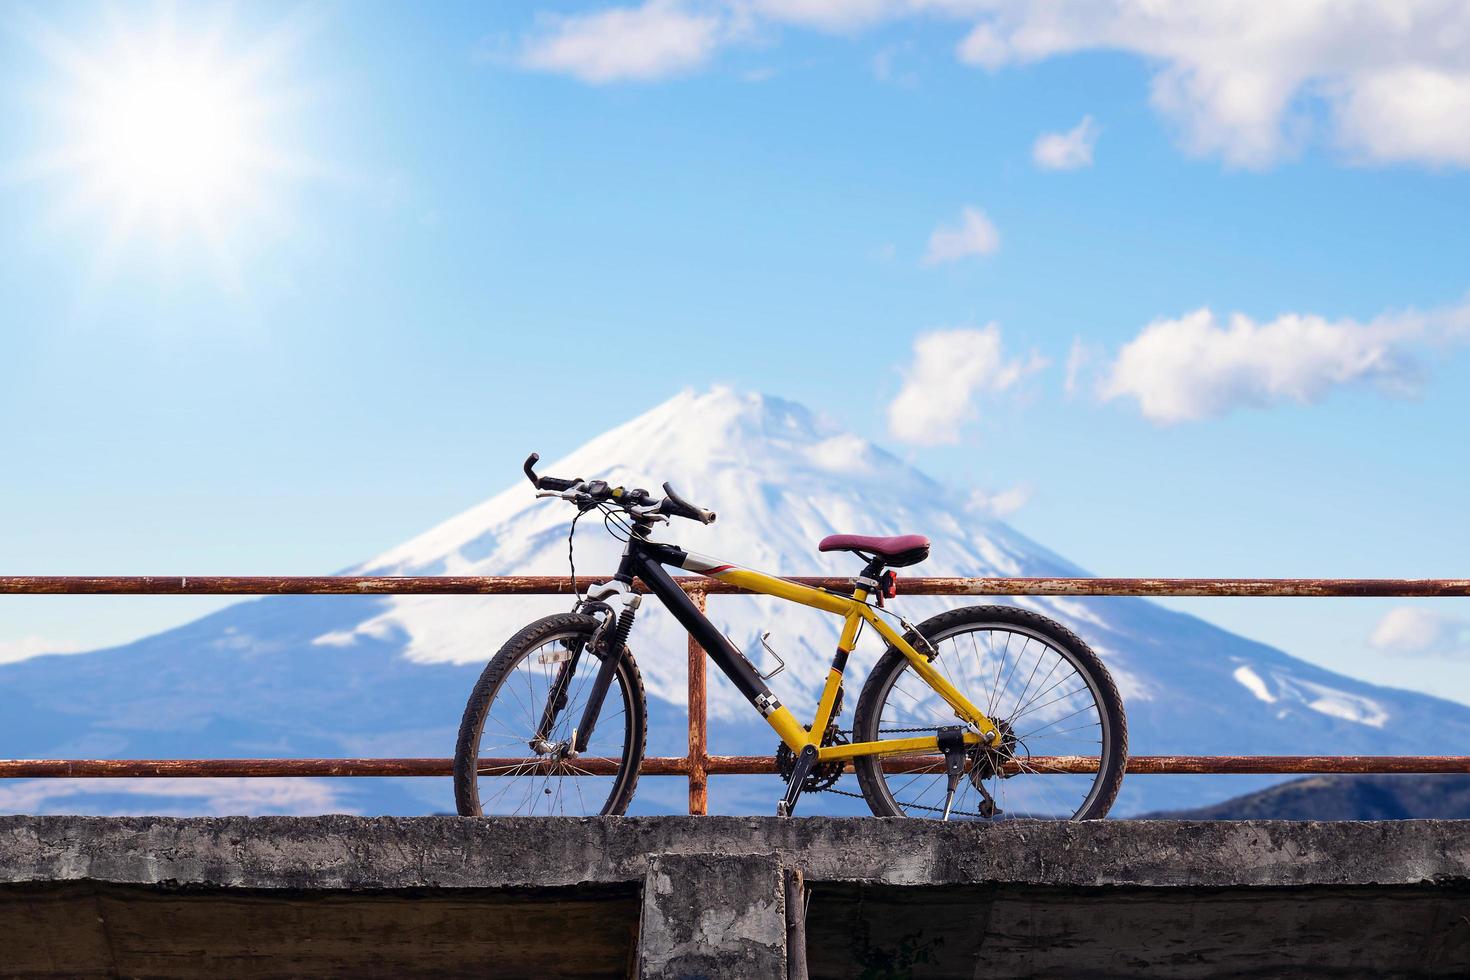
[(571, 560)]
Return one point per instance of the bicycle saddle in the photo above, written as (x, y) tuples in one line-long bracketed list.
[(897, 551)]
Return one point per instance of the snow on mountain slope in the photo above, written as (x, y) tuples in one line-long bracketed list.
[(388, 676), (780, 478)]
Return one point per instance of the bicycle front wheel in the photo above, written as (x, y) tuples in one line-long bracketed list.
[(1056, 706), (508, 761)]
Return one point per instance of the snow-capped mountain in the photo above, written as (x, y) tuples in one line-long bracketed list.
[(334, 675)]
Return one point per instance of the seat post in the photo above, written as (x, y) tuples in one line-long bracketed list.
[(867, 580)]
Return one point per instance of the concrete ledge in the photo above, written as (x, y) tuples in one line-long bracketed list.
[(706, 897), (361, 853)]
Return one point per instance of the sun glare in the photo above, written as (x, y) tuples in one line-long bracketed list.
[(172, 135), (167, 135)]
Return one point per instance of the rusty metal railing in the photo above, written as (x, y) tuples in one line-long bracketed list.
[(698, 765)]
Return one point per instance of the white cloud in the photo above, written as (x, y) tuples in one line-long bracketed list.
[(1000, 503), (26, 647), (846, 453), (843, 16), (1413, 631), (951, 368), (1197, 367), (172, 796), (888, 65), (1081, 357), (655, 40), (1407, 113), (1248, 80), (1071, 150), (974, 235)]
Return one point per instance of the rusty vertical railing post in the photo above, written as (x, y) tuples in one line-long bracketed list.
[(698, 740)]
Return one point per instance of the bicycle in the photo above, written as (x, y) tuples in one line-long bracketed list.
[(920, 744)]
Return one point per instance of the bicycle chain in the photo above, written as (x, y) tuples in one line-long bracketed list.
[(883, 731)]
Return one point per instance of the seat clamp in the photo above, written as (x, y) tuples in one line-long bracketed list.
[(871, 584)]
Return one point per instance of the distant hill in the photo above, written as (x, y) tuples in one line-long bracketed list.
[(1345, 798)]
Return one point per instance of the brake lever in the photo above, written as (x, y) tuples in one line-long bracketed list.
[(571, 493)]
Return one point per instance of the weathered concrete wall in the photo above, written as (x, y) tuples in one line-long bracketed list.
[(709, 915), (1023, 931), (78, 929), (683, 896), (341, 852)]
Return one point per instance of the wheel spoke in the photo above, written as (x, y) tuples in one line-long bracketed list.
[(551, 782), (1045, 677)]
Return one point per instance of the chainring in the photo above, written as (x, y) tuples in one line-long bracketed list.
[(824, 775)]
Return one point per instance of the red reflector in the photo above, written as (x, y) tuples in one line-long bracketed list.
[(890, 585)]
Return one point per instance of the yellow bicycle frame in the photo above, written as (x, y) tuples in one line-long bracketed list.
[(855, 611)]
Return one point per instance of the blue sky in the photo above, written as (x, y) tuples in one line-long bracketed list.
[(455, 235)]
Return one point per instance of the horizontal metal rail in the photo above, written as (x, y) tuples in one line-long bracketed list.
[(698, 765), (717, 765), (560, 585)]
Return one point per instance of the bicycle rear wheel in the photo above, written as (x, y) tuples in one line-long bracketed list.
[(1044, 687), (498, 769)]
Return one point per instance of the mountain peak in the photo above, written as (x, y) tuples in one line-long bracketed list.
[(723, 423), (757, 459)]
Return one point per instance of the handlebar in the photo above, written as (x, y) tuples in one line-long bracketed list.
[(679, 507), (640, 503), (546, 482)]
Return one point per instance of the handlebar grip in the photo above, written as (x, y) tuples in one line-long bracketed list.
[(545, 482), (675, 504)]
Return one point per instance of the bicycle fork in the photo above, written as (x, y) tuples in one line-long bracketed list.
[(556, 699)]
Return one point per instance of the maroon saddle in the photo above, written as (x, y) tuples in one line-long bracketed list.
[(898, 551)]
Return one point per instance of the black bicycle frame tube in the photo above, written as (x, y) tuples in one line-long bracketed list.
[(648, 560)]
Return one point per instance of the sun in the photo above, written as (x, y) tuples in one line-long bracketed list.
[(168, 134), (173, 134)]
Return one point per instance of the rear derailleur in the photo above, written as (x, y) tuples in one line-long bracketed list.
[(984, 762)]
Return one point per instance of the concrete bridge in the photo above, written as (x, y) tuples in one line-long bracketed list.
[(714, 897)]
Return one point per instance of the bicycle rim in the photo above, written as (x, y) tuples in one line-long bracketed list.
[(1041, 693), (514, 780)]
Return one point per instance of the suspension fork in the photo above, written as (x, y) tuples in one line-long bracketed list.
[(612, 640), (556, 697), (612, 655)]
